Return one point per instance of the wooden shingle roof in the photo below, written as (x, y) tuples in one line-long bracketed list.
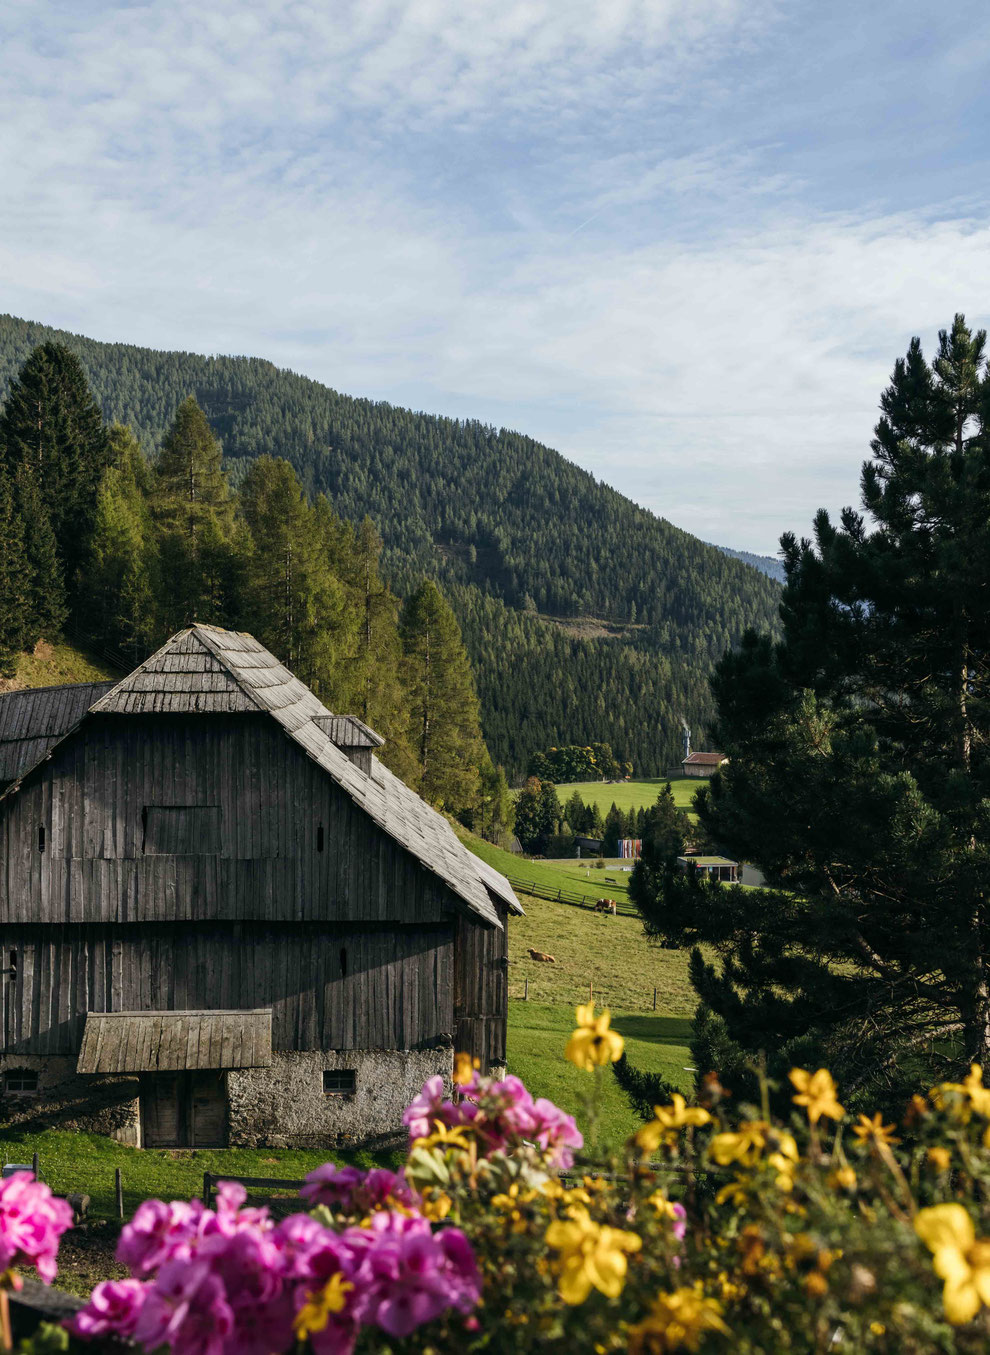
[(204, 670), (171, 1042), (33, 721)]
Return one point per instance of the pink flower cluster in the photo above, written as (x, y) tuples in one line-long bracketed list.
[(502, 1116), (32, 1220), (349, 1190), (216, 1283)]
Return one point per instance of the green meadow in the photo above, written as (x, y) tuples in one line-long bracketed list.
[(628, 795)]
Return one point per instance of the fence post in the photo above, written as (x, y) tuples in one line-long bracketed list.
[(207, 1189), (118, 1187), (34, 1166), (526, 992), (654, 999)]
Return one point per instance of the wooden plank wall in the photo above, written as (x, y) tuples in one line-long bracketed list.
[(481, 989), (328, 987), (272, 802)]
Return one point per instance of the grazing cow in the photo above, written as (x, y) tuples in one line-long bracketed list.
[(605, 906), (539, 955)]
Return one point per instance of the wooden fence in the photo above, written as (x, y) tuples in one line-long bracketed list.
[(569, 896), (212, 1179)]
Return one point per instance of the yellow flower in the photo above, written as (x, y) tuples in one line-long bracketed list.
[(784, 1159), (817, 1092), (668, 1122), (874, 1129), (940, 1158), (960, 1258), (677, 1321), (436, 1205), (744, 1145), (593, 1044), (591, 1256), (843, 1178), (315, 1312), (964, 1097), (464, 1069), (445, 1136)]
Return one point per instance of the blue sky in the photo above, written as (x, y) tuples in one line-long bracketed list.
[(682, 241)]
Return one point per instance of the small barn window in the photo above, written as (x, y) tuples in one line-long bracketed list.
[(343, 962), (319, 838), (339, 1081), (41, 837), (20, 1081), (181, 830)]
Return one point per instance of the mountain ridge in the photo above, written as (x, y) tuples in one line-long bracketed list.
[(511, 529)]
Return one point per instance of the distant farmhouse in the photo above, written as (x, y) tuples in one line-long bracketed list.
[(702, 764), (699, 764), (222, 919)]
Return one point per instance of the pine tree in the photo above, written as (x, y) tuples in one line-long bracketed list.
[(51, 425), (859, 771), (15, 580), (496, 811), (663, 829), (615, 828), (445, 725), (47, 609), (196, 550)]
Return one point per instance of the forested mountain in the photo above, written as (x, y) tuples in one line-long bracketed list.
[(586, 617), (766, 564)]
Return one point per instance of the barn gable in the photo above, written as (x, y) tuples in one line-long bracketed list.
[(207, 671)]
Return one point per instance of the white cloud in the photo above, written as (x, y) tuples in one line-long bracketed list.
[(484, 208)]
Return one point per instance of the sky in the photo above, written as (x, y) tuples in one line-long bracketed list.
[(681, 241)]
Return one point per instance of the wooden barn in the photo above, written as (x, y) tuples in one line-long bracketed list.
[(702, 764), (222, 919)]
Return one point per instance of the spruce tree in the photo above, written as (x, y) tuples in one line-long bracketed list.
[(47, 611), (15, 580), (51, 425), (858, 777), (445, 724)]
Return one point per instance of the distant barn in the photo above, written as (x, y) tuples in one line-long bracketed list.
[(702, 764), (222, 919)]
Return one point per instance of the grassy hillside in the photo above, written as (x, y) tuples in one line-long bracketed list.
[(55, 665), (550, 875), (610, 957), (534, 552), (631, 794)]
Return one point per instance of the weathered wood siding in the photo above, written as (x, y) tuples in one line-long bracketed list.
[(481, 989), (328, 987), (74, 841)]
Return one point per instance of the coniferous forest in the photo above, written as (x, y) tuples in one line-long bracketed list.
[(586, 618)]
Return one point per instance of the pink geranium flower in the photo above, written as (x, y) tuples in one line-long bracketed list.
[(32, 1220)]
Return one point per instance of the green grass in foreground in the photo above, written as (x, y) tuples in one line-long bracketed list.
[(538, 1033), (631, 794), (84, 1163)]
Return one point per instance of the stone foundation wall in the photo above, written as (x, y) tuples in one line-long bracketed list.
[(285, 1106), (64, 1100)]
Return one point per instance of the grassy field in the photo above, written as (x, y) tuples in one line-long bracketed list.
[(77, 1162), (53, 665), (538, 1033), (592, 950), (631, 794), (549, 874)]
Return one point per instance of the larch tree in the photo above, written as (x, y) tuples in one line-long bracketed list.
[(116, 606), (52, 426), (193, 515), (858, 777), (293, 601), (445, 721)]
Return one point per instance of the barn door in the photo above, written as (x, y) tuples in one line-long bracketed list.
[(161, 1110), (207, 1110), (184, 1110)]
